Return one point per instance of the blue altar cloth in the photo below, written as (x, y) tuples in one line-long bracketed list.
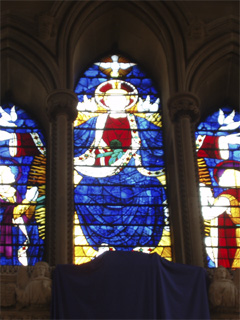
[(129, 285)]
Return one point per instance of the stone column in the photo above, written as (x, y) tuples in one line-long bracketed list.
[(184, 112), (61, 107)]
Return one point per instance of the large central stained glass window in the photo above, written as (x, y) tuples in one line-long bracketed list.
[(119, 172)]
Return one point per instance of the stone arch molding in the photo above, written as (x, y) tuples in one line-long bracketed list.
[(28, 68), (201, 64), (139, 29), (25, 40), (70, 35), (213, 71)]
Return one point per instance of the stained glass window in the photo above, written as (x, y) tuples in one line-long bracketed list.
[(22, 188), (218, 151), (119, 172)]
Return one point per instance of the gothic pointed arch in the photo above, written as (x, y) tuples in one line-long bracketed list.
[(119, 166)]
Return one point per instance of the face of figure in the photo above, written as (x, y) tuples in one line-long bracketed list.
[(230, 178), (221, 273), (6, 175), (40, 270), (116, 100)]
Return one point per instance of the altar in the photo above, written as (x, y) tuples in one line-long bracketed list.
[(129, 285)]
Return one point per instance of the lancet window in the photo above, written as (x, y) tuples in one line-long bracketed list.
[(119, 170), (218, 154), (22, 187)]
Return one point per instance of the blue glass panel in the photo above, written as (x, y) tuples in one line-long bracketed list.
[(22, 184)]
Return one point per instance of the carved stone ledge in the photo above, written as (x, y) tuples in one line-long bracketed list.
[(7, 314), (10, 308), (225, 313), (25, 291), (8, 270), (184, 104), (62, 102), (7, 292)]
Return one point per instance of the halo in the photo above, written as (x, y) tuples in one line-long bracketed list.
[(104, 89), (224, 165), (15, 167)]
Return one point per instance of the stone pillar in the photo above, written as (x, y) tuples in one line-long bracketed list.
[(184, 112), (61, 107)]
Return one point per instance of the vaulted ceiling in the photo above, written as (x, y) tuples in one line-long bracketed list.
[(183, 45)]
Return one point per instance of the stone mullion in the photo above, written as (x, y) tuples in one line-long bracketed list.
[(53, 197), (198, 202), (62, 112), (185, 236), (184, 112), (70, 194)]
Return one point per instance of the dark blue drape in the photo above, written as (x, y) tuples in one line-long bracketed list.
[(129, 285)]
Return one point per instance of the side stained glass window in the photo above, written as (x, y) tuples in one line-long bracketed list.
[(218, 152), (120, 184), (22, 188)]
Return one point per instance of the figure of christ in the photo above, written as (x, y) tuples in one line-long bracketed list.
[(119, 199)]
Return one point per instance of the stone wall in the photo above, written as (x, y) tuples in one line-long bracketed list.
[(26, 292)]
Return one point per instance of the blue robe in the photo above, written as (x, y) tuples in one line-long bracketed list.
[(123, 210)]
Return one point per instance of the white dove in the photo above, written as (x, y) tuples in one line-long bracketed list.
[(87, 105), (115, 65), (227, 123), (6, 119), (147, 106)]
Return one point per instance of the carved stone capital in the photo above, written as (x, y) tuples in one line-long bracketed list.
[(184, 104), (62, 102)]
